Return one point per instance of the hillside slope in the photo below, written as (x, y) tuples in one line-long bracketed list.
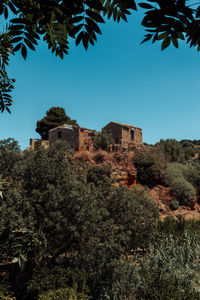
[(124, 172)]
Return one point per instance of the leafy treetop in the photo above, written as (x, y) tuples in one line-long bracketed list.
[(9, 144), (55, 116), (57, 21)]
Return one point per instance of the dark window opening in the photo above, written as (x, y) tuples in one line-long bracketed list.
[(59, 135), (132, 135)]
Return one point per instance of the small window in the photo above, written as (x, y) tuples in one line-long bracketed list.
[(59, 135), (132, 135)]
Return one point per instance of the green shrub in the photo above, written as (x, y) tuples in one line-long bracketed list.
[(172, 149), (58, 277), (189, 153), (183, 191), (149, 169), (172, 172), (99, 175), (169, 271), (103, 140), (99, 158), (192, 175), (5, 293), (174, 204), (178, 226), (180, 178), (131, 213), (63, 294)]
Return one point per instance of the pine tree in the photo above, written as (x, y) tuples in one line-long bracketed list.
[(55, 116)]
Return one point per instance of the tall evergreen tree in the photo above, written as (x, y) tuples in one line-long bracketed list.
[(55, 116)]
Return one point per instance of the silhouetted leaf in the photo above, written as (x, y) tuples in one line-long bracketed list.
[(24, 51), (165, 43)]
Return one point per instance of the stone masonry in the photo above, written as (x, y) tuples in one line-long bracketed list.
[(125, 136), (78, 138)]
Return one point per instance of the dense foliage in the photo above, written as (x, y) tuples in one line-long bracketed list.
[(172, 149), (66, 232), (103, 140), (149, 169), (54, 209)]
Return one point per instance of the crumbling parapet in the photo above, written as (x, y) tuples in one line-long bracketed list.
[(33, 142)]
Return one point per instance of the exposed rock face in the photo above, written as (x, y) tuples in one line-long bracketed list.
[(121, 175), (122, 168), (163, 197)]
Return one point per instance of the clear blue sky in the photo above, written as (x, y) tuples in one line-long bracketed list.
[(116, 80)]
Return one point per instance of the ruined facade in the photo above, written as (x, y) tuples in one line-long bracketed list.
[(78, 138), (40, 142), (125, 136)]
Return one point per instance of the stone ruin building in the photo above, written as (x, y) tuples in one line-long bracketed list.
[(78, 138), (126, 137)]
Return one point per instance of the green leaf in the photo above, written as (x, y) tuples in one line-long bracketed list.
[(17, 47), (162, 35), (93, 26), (15, 260), (146, 5), (175, 41), (23, 258), (95, 16), (165, 43), (24, 51), (29, 44)]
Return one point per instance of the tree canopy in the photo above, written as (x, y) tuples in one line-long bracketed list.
[(55, 116), (57, 22), (53, 208)]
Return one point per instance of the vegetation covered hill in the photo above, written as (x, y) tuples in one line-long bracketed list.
[(168, 170), (85, 226)]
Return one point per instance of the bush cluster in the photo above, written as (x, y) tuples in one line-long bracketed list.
[(55, 208), (63, 294), (183, 191), (103, 140), (70, 231), (98, 158), (174, 204), (149, 169), (176, 176), (175, 151)]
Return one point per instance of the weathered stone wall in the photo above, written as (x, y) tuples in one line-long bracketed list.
[(126, 136), (33, 142), (115, 130), (68, 133), (78, 138), (86, 139), (138, 135), (126, 133), (132, 134), (81, 139)]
